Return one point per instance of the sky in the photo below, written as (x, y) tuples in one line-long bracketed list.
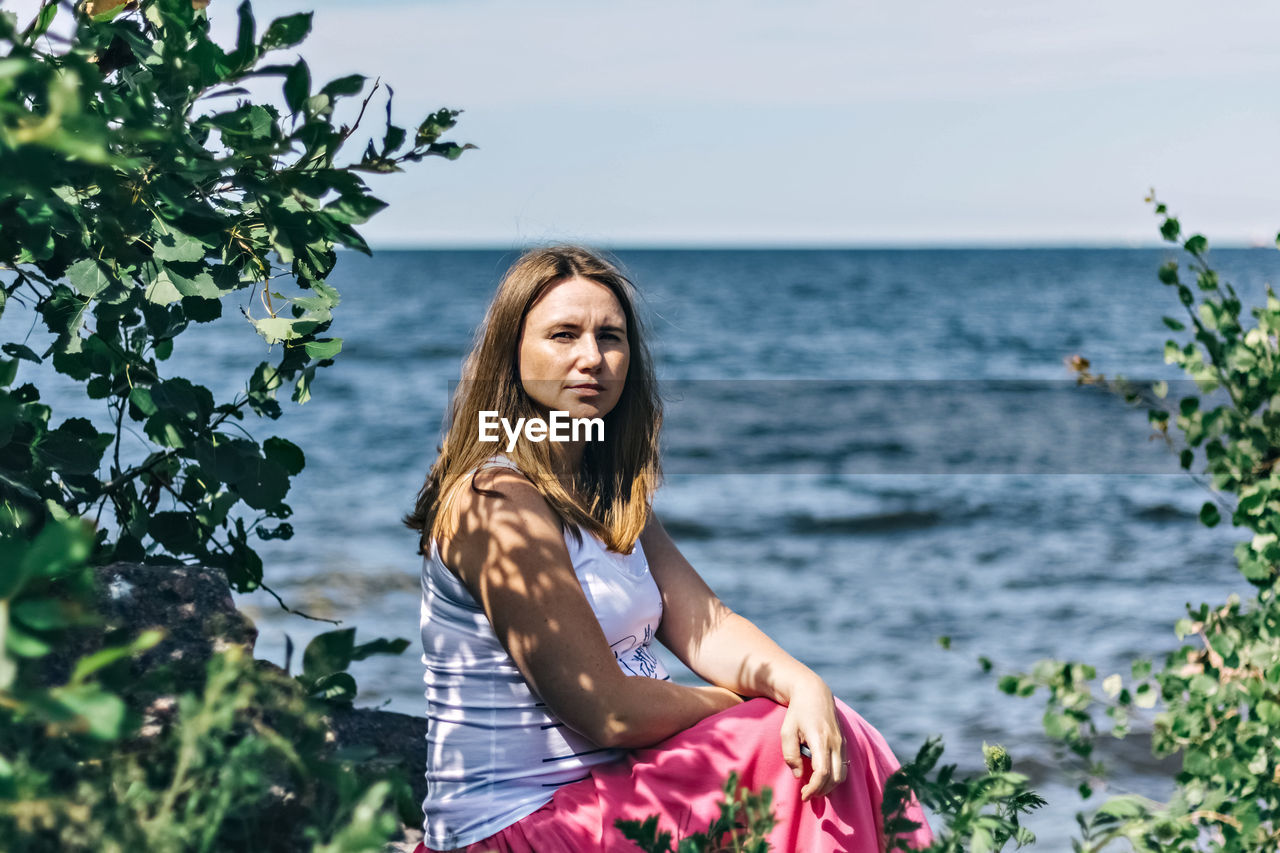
[(815, 122)]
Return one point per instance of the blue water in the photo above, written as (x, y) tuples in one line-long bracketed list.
[(865, 451)]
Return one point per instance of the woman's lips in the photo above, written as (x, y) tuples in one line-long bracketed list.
[(588, 387)]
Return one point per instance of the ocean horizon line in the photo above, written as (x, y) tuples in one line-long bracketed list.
[(815, 247)]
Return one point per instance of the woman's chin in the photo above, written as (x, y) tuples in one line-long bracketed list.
[(584, 409)]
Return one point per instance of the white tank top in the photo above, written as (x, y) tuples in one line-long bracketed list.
[(494, 752)]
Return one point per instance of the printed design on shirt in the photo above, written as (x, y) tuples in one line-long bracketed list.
[(637, 659)]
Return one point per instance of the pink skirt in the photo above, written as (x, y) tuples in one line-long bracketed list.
[(680, 780)]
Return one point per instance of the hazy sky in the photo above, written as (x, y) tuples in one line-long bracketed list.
[(703, 122)]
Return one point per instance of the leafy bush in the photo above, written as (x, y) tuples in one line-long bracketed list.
[(1216, 699), (137, 191), (978, 813), (241, 768), (139, 188)]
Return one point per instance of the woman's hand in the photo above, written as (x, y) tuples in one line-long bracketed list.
[(811, 720)]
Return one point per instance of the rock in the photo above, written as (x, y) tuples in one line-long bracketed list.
[(399, 740), (191, 604)]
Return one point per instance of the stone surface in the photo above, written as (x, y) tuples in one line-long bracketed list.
[(398, 739), (191, 604)]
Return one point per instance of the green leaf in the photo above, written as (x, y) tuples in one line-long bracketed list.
[(328, 653), (286, 31), (1268, 712), (352, 84), (318, 105), (448, 150), (45, 614), (140, 397), (297, 86), (178, 532), (24, 644), (354, 210), (101, 714), (21, 351), (192, 279), (380, 646), (62, 547), (90, 664), (1252, 501), (162, 290), (1196, 244), (40, 25), (176, 246), (245, 51), (1123, 807), (263, 485), (275, 329), (183, 399), (284, 453), (89, 277), (393, 139), (436, 124), (75, 447), (336, 687), (8, 667), (323, 349), (1209, 515)]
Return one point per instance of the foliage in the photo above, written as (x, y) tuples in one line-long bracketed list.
[(978, 813), (745, 820), (242, 763), (138, 190), (1217, 697), (140, 187), (325, 661)]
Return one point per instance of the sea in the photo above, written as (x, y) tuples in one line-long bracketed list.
[(880, 457)]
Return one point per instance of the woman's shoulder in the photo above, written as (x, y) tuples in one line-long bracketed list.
[(493, 495), (488, 478)]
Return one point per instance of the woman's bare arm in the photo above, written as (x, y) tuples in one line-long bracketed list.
[(510, 553), (728, 650)]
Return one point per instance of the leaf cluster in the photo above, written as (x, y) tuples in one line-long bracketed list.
[(979, 813), (243, 766), (324, 663), (1217, 697), (139, 190), (745, 821)]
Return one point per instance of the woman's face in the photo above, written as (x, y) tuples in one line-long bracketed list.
[(574, 350)]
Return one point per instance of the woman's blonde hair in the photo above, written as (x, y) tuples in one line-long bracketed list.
[(612, 492)]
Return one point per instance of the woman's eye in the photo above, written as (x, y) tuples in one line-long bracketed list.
[(561, 335)]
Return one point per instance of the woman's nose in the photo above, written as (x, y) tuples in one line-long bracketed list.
[(589, 352)]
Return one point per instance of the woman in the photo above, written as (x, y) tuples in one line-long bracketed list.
[(545, 578)]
